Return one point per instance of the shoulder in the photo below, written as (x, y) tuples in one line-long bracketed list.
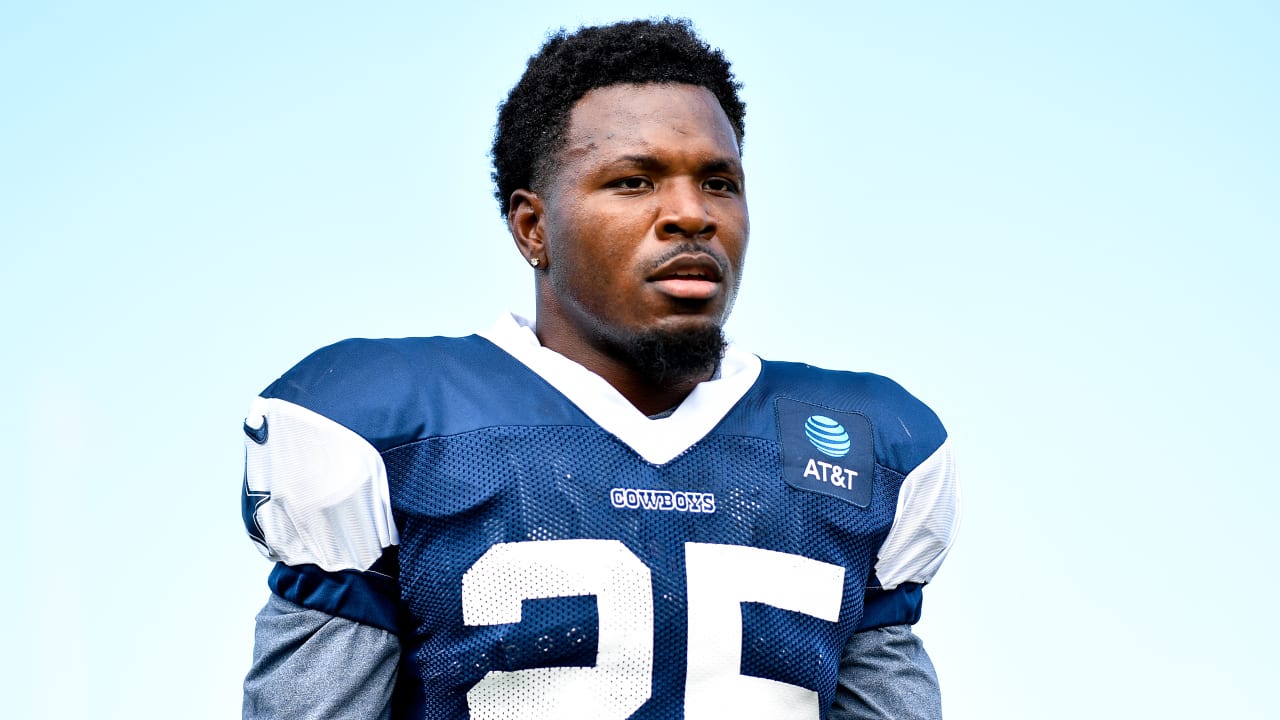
[(906, 430), (361, 366), (371, 386), (315, 484)]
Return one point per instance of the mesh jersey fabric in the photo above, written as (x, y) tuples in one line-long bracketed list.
[(505, 494)]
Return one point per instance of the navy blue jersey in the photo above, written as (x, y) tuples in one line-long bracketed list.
[(544, 550)]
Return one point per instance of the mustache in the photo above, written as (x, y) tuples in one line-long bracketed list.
[(692, 248)]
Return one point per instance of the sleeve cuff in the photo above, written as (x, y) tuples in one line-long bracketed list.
[(899, 606), (371, 598)]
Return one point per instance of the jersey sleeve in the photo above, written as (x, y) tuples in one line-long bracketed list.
[(315, 492), (316, 501), (925, 521), (924, 524)]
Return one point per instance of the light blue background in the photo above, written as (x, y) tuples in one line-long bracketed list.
[(1054, 222)]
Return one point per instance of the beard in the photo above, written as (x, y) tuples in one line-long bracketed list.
[(665, 356)]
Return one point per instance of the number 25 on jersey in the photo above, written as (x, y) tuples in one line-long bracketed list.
[(720, 578)]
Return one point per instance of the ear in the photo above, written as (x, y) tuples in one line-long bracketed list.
[(525, 221)]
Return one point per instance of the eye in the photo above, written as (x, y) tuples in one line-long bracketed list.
[(635, 182), (720, 185)]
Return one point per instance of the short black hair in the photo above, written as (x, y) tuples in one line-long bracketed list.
[(533, 120)]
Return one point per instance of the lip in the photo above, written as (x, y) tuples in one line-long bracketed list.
[(693, 276)]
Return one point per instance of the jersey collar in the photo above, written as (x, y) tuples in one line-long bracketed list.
[(657, 440)]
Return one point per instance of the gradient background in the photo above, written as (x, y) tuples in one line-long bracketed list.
[(1056, 224)]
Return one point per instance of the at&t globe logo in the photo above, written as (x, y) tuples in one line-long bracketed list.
[(827, 435), (827, 451)]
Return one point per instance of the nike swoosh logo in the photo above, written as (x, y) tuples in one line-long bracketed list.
[(258, 435)]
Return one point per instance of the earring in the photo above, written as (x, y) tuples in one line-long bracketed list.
[(533, 261)]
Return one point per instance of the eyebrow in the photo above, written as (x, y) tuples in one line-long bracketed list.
[(649, 162)]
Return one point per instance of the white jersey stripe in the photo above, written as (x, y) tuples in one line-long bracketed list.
[(329, 500), (925, 523)]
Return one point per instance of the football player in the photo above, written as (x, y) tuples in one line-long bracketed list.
[(607, 511)]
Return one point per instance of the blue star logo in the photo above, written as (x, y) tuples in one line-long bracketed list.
[(249, 504)]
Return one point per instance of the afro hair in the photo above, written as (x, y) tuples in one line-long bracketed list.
[(533, 120)]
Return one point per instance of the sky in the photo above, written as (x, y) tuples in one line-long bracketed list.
[(1055, 222)]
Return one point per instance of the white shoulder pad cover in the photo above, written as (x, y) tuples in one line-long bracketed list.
[(324, 489), (925, 523)]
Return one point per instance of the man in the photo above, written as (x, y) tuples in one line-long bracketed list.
[(607, 513)]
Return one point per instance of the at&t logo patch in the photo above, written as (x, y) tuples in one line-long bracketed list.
[(826, 451)]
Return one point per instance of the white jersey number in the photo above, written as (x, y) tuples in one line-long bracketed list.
[(720, 578), (510, 573)]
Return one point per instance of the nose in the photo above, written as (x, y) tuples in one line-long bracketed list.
[(685, 212)]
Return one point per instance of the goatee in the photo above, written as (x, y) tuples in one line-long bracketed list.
[(666, 356)]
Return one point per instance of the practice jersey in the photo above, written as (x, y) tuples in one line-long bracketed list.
[(544, 550)]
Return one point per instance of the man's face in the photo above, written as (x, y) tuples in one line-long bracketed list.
[(645, 219)]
